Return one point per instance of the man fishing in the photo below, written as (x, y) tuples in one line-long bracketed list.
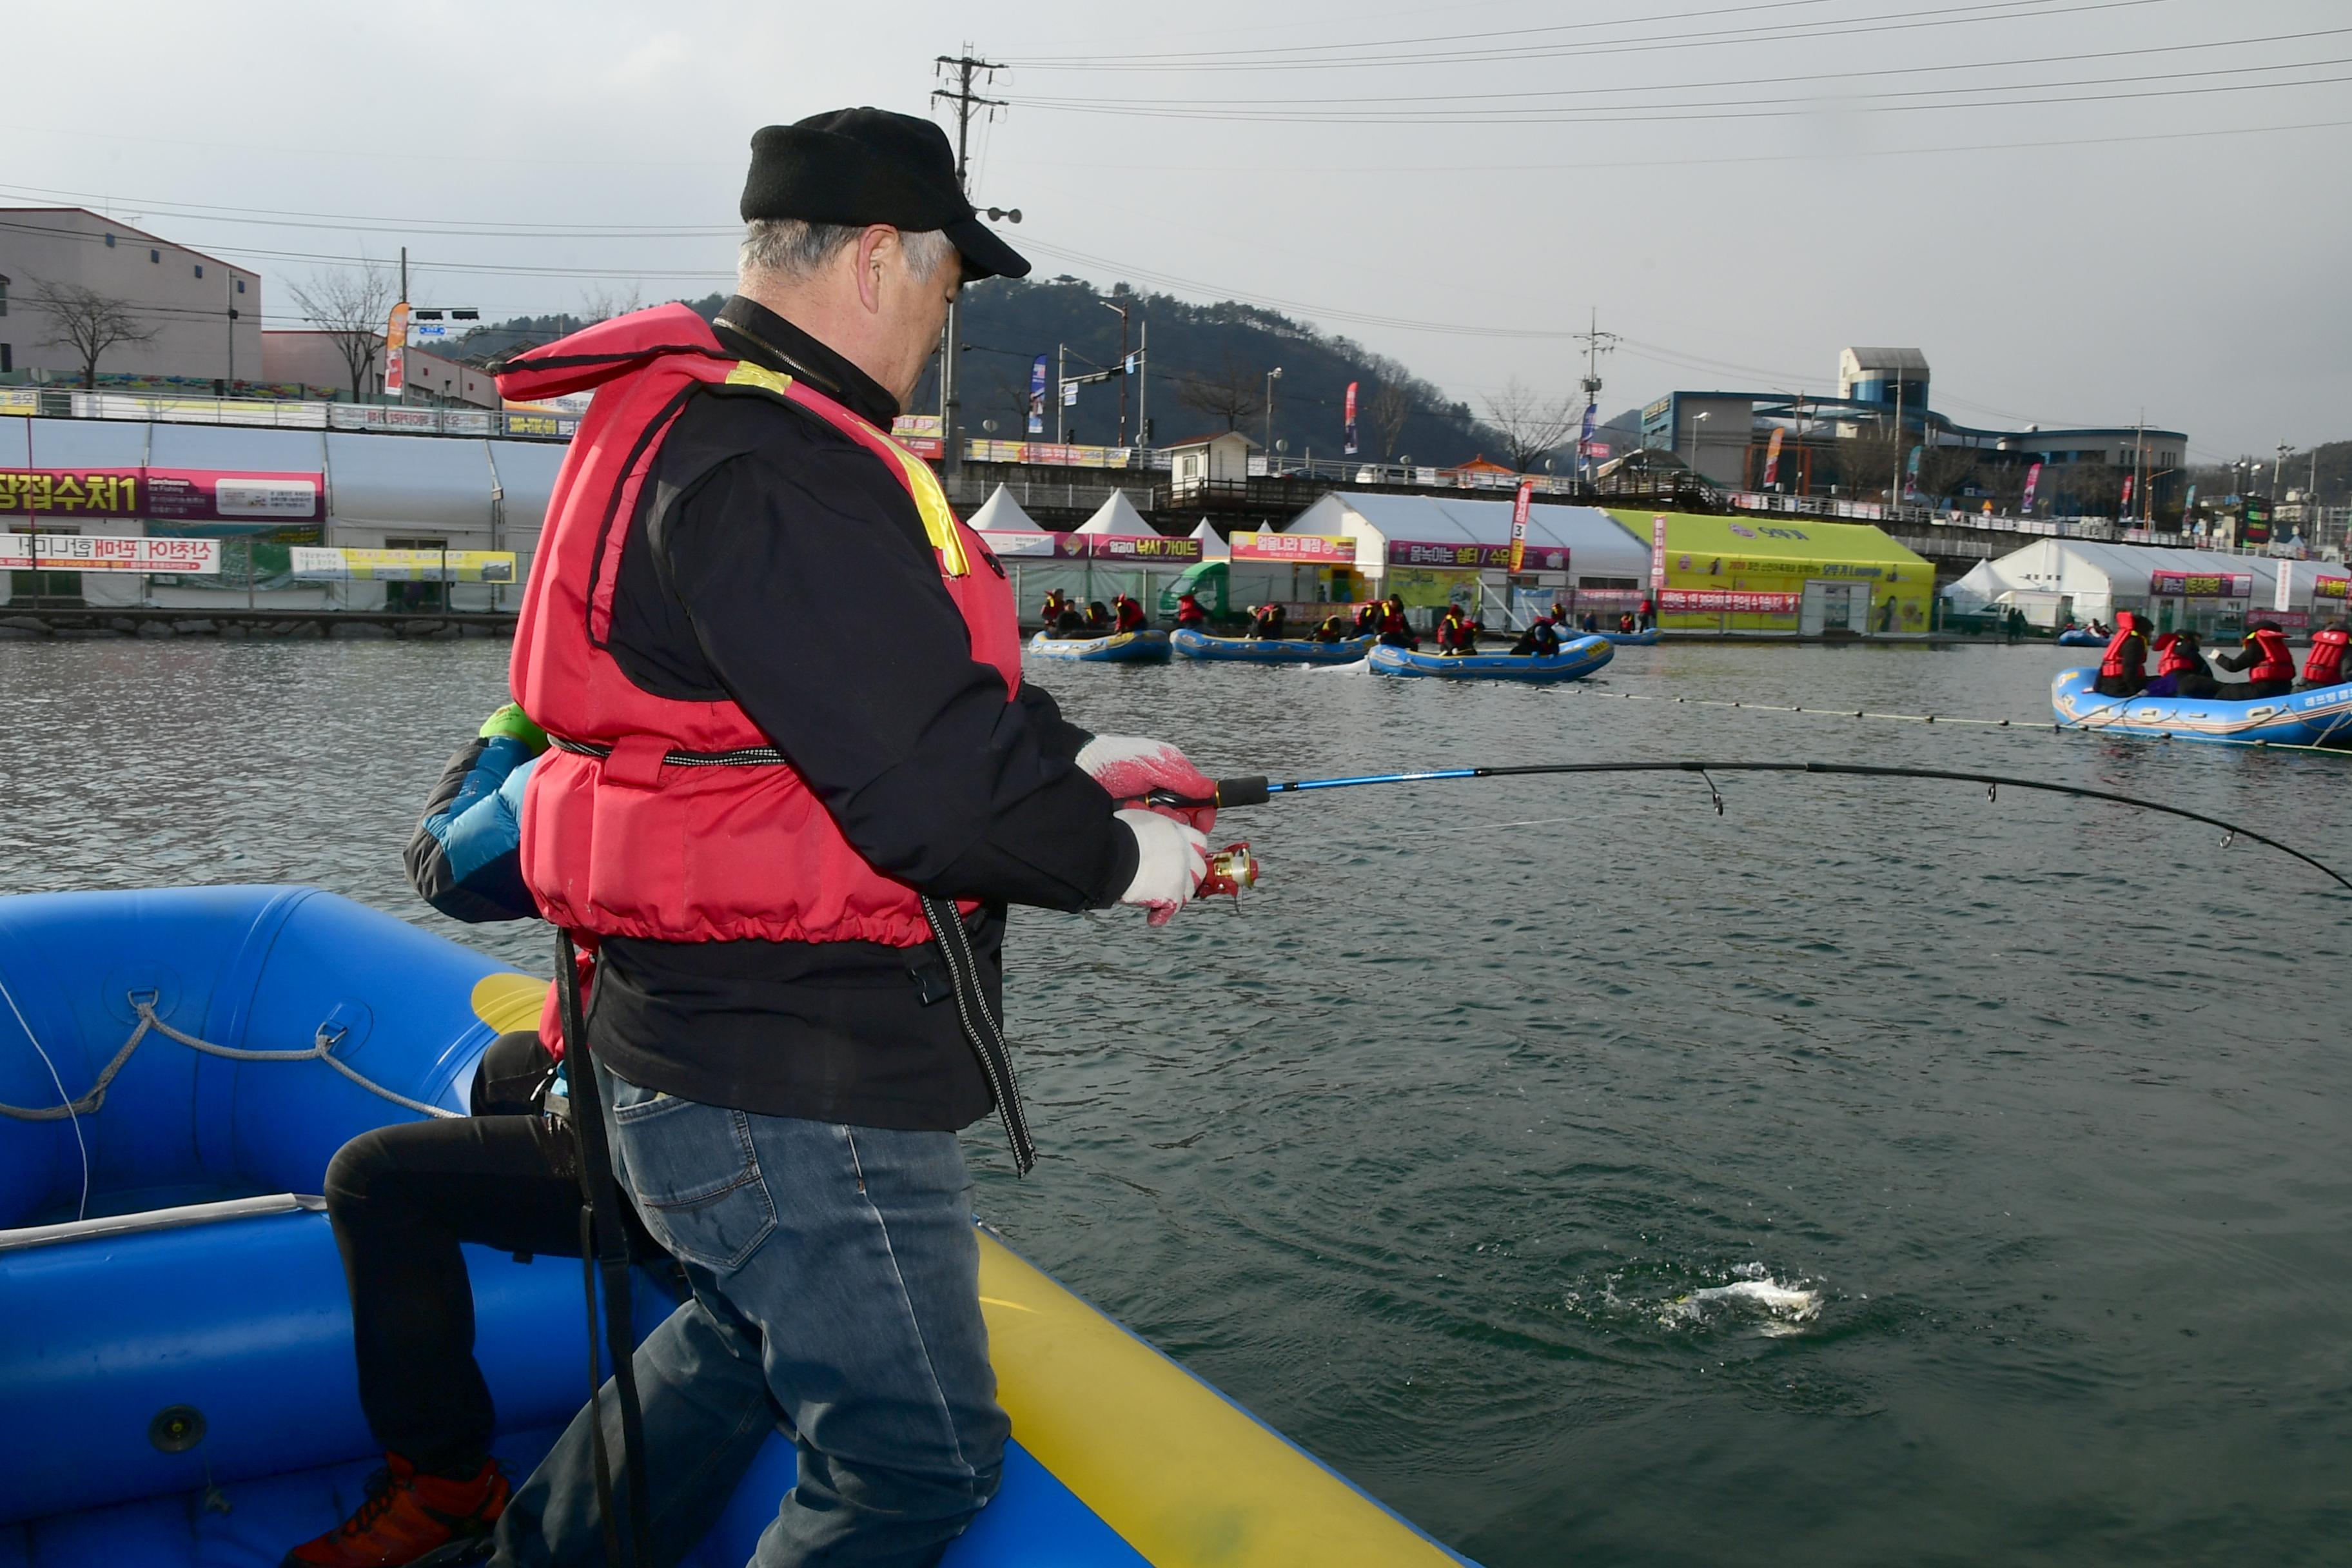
[(791, 849)]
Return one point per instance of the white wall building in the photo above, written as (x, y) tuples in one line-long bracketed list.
[(183, 297)]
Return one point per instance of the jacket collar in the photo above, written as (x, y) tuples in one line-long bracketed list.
[(769, 340)]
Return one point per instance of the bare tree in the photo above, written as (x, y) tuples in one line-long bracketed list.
[(87, 323), (353, 306), (1531, 424), (603, 304), (1391, 404), (1233, 393)]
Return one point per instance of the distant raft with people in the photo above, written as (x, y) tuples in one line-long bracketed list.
[(1628, 639), (2081, 637), (179, 1369), (1577, 658), (1145, 647), (2320, 718), (1190, 643)]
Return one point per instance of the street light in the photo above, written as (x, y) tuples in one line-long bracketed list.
[(1698, 429), (1271, 377), (1120, 310)]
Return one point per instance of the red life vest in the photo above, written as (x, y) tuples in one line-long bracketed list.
[(2172, 655), (627, 844), (1130, 615), (2324, 666), (2277, 660), (2127, 655)]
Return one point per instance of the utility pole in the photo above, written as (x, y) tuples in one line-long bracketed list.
[(1596, 344), (1895, 481), (960, 70), (404, 299), (1121, 311), (2276, 470)]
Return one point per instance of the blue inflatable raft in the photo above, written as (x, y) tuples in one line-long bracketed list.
[(1266, 650), (2079, 638), (176, 1378), (1119, 648), (2321, 718), (1628, 639), (1574, 661)]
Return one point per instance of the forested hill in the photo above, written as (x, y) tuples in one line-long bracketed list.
[(1207, 372)]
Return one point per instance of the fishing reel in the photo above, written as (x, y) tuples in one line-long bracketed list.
[(1231, 869)]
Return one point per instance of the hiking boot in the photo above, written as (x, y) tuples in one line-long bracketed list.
[(411, 1519)]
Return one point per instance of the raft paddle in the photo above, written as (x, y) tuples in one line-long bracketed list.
[(1257, 791)]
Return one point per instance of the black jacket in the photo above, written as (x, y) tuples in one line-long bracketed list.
[(774, 563)]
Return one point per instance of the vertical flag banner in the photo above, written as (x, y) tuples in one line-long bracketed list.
[(2123, 508), (1911, 475), (2032, 477), (395, 343), (1772, 459), (2189, 506), (1657, 556), (1584, 438), (1527, 498), (1349, 447), (1037, 395)]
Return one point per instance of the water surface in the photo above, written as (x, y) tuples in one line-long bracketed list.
[(1872, 1173)]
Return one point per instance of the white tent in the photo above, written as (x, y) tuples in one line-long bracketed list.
[(1603, 557), (1212, 547), (1117, 515), (2053, 579), (1001, 513)]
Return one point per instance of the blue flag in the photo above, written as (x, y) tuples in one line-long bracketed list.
[(1037, 396)]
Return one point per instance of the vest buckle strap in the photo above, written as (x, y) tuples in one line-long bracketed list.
[(635, 760)]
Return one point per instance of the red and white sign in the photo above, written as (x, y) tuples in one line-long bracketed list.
[(109, 552), (178, 495), (1520, 503), (395, 349), (1658, 554), (1295, 549), (1727, 601)]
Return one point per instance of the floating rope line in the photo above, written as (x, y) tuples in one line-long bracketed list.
[(1257, 791)]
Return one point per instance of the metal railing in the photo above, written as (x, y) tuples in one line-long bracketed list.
[(392, 418)]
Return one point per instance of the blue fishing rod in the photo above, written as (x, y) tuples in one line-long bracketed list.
[(1258, 791)]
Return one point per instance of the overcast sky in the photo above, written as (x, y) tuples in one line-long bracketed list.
[(2079, 209)]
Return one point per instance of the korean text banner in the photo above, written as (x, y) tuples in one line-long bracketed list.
[(1728, 601), (340, 565), (1023, 544), (1295, 549), (173, 495), (1141, 547), (1348, 443), (2331, 587), (2201, 584), (1473, 557), (108, 552)]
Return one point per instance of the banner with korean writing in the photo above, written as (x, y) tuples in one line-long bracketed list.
[(1519, 505), (2125, 504), (1021, 544), (175, 495), (1657, 554), (1295, 549), (344, 565), (110, 553), (1037, 395), (1460, 557), (395, 346), (2339, 589), (1772, 459), (2032, 478), (1141, 548), (1348, 445), (1727, 601), (2200, 585), (918, 433), (1047, 454)]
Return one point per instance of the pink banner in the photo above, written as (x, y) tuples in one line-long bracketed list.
[(1295, 549), (1475, 557), (1657, 554), (1141, 547), (1727, 601), (177, 495)]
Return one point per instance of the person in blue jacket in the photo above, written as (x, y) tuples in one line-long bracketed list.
[(465, 856)]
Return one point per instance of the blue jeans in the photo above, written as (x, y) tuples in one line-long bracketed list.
[(836, 1289)]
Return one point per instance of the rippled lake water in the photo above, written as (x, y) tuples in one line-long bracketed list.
[(1871, 1173)]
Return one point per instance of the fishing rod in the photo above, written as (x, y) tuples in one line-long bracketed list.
[(1257, 791)]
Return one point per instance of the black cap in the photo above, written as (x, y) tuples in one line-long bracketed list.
[(857, 166)]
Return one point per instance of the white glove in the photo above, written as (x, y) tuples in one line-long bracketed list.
[(1131, 767), (1170, 860)]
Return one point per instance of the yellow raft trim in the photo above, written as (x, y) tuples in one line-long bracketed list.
[(930, 500), (507, 1002), (1185, 1478)]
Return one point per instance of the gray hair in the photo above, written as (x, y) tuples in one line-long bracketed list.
[(788, 249)]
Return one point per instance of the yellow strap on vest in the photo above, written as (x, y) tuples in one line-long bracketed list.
[(938, 523)]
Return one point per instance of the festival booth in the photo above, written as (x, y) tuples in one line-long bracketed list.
[(1801, 574), (2209, 592), (1441, 549), (1123, 553), (1036, 561)]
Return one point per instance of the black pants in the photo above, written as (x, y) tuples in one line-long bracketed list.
[(2254, 690), (401, 1198)]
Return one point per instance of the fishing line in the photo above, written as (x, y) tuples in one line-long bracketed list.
[(1240, 792)]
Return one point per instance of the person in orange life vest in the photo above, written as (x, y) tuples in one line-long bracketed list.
[(1368, 617), (1627, 624), (1394, 629), (1269, 622), (2268, 662), (1057, 606), (2180, 667), (1130, 614), (1648, 614), (1456, 634), (1189, 612), (2324, 665), (793, 950), (2124, 671)]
